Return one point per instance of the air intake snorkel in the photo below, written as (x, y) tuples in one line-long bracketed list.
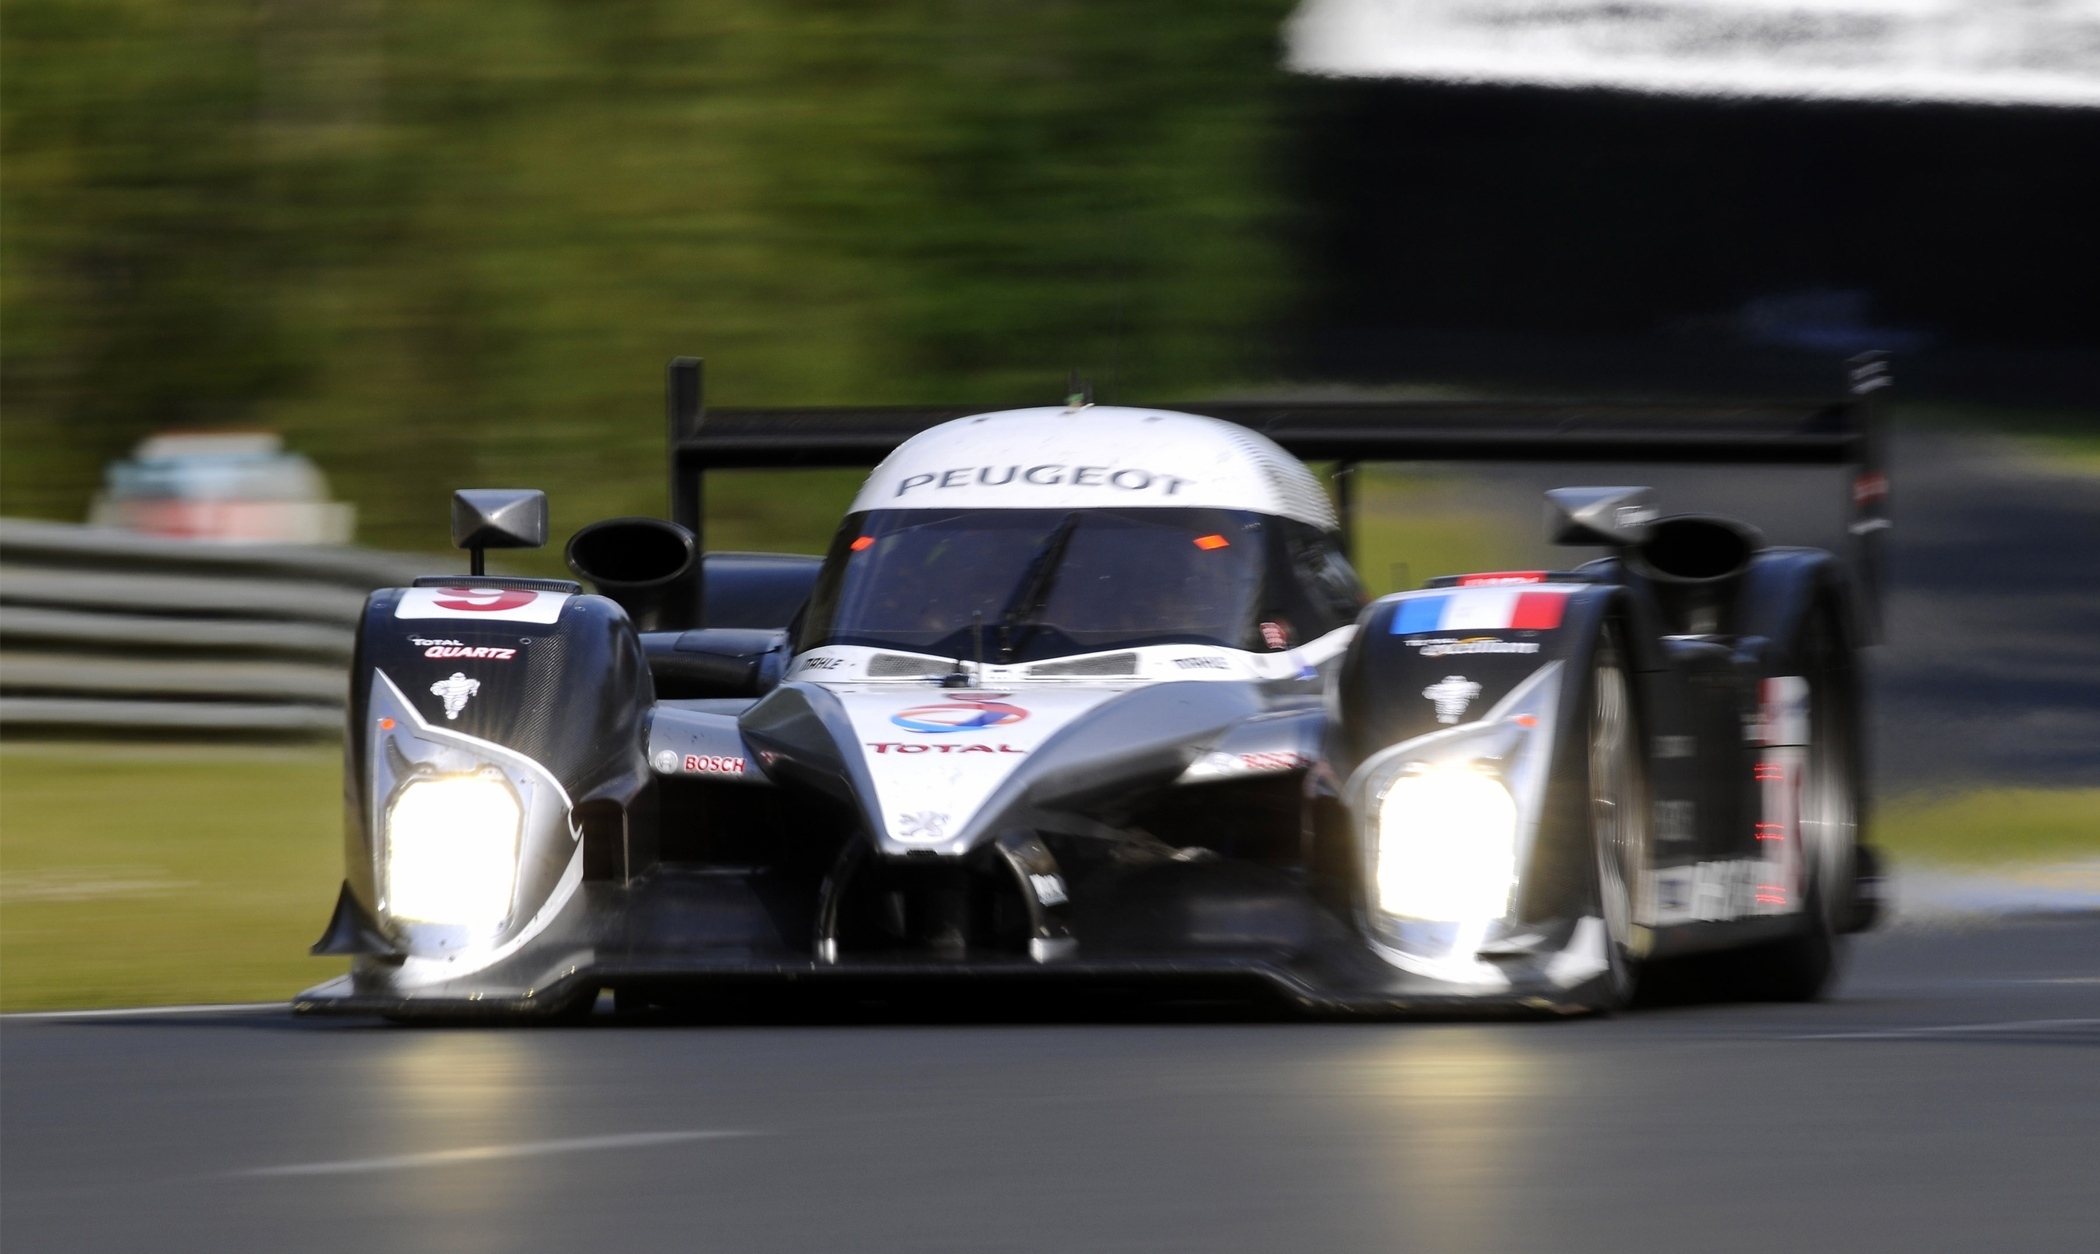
[(1693, 561), (1696, 562)]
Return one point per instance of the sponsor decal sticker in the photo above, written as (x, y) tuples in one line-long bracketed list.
[(671, 762), (1480, 609), (1710, 892), (1452, 694), (894, 746), (454, 692), (516, 605), (1203, 663), (1447, 646), (710, 764), (1051, 474), (821, 663), (1283, 760), (963, 711), (472, 652)]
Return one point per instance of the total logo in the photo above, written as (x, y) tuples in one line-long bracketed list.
[(962, 711)]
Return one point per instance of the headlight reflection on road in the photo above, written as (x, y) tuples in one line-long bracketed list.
[(1450, 1117), (450, 1090)]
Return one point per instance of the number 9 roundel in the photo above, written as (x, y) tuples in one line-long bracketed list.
[(516, 605)]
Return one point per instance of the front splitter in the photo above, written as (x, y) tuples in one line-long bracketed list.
[(1359, 986)]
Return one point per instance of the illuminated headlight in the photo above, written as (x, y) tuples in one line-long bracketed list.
[(452, 851), (1447, 846)]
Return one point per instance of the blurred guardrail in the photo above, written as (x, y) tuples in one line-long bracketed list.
[(109, 631)]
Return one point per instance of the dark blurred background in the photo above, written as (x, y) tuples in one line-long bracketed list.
[(1613, 239), (455, 241)]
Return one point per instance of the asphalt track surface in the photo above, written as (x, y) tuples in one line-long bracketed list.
[(1947, 1099)]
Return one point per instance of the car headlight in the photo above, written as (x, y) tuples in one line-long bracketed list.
[(452, 851), (1447, 846)]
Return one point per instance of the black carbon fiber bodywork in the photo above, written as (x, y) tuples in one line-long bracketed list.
[(570, 695), (1103, 857)]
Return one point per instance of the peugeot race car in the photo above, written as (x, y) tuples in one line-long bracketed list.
[(1093, 694)]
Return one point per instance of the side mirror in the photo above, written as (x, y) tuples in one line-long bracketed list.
[(1612, 516), (498, 518)]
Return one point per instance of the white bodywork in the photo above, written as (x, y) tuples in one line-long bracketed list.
[(936, 755), (1095, 456), (932, 778)]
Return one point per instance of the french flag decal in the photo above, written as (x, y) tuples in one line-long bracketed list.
[(1481, 609)]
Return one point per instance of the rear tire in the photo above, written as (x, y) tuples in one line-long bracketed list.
[(1803, 966)]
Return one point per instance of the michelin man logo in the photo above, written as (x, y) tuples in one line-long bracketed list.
[(1452, 694), (454, 692)]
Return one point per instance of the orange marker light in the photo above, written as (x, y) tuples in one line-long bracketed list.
[(1207, 543), (862, 543), (386, 724), (1527, 720)]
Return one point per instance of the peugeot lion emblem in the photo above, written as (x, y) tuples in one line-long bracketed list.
[(925, 825)]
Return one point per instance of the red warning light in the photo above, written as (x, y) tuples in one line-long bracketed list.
[(1209, 542), (1501, 578), (862, 543), (386, 724)]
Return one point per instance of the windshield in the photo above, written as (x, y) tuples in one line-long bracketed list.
[(1025, 584)]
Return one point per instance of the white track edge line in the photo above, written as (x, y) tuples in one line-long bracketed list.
[(2014, 1025), (208, 1008), (488, 1153)]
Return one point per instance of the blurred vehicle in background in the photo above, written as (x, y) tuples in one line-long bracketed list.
[(232, 486)]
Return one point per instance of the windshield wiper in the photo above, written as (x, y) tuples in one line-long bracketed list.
[(1033, 592)]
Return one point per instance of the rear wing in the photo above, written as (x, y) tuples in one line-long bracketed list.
[(1843, 431)]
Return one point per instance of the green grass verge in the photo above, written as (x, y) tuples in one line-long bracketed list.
[(134, 876), (1414, 523), (2069, 439), (1992, 825)]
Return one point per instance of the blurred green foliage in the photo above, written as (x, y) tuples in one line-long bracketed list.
[(455, 241), (1991, 825)]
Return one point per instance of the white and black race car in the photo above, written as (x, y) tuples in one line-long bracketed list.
[(1087, 693)]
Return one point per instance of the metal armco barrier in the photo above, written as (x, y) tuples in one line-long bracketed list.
[(107, 631)]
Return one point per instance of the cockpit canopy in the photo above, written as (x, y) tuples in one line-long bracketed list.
[(1021, 585)]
